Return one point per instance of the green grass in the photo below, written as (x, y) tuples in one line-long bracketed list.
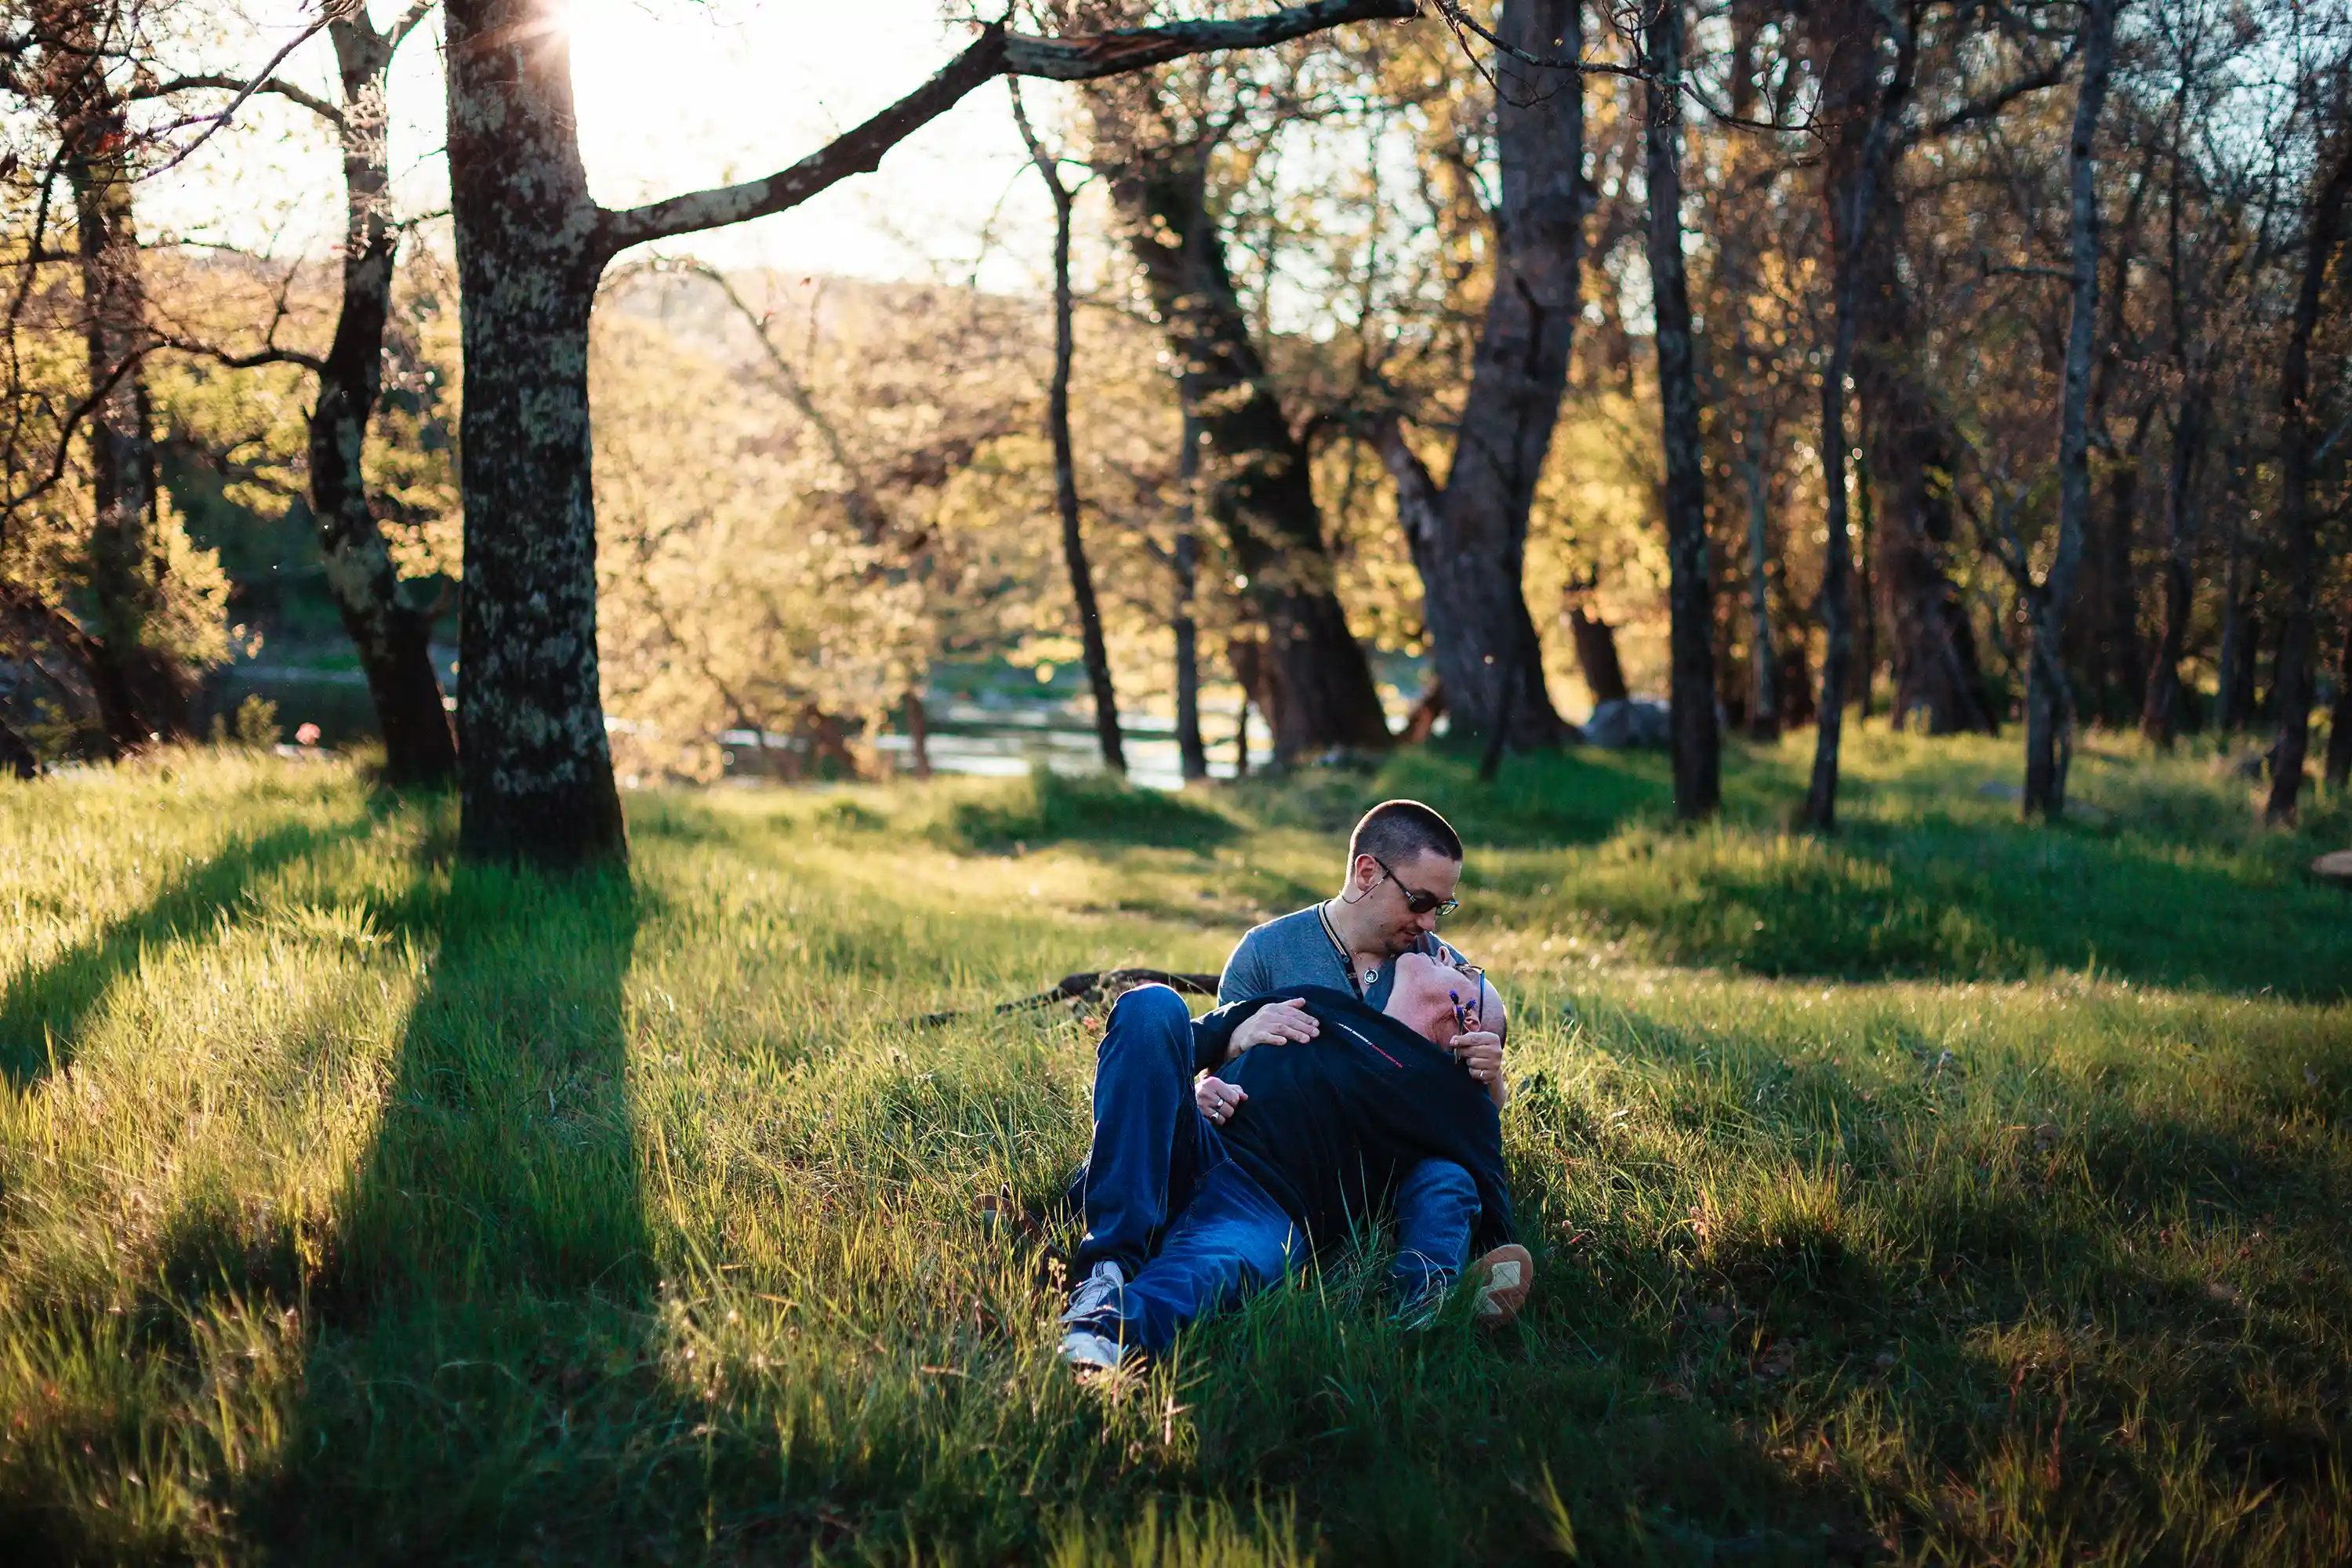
[(1953, 1191)]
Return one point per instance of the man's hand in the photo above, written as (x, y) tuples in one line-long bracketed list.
[(1217, 1098), (1273, 1024), (1481, 1053)]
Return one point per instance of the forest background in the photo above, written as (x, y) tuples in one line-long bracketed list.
[(872, 455)]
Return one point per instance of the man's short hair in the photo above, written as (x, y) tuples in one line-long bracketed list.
[(1397, 830)]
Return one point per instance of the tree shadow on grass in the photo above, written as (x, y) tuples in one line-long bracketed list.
[(43, 1013), (483, 1306)]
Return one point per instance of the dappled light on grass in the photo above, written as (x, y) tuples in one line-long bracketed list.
[(377, 1207)]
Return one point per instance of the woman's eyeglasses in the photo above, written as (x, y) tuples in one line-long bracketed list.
[(1415, 900)]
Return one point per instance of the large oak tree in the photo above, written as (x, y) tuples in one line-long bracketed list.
[(1469, 537), (536, 773)]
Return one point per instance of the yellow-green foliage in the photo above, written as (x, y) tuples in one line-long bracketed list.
[(1988, 1207), (733, 594)]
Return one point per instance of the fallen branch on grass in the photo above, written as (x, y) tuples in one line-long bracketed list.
[(1092, 987)]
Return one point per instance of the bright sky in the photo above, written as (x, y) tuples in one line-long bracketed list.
[(673, 95)]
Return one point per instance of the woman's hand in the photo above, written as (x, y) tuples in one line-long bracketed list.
[(1217, 1098), (1273, 1024), (1481, 1053)]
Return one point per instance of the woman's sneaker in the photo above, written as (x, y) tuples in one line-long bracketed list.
[(1088, 1352), (1101, 1291), (1504, 1276), (1091, 1338)]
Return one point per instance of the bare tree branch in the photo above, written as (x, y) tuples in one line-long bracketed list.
[(227, 360), (326, 14), (398, 35), (1081, 58), (17, 500), (1459, 20), (244, 89), (2049, 74)]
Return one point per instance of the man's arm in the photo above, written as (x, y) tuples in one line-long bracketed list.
[(1212, 1034)]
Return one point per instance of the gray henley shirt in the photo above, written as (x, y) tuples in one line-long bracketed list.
[(1295, 950)]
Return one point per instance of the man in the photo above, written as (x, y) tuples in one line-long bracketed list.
[(1405, 862), (1182, 1217)]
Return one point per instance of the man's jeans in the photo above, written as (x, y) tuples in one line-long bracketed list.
[(1190, 1229), (1436, 1211)]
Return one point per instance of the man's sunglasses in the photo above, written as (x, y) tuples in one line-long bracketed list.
[(1418, 902)]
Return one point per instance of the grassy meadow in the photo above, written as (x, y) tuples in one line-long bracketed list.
[(1949, 1191)]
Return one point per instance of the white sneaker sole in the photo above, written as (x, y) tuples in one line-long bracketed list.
[(1506, 1276)]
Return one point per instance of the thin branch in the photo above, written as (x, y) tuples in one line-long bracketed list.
[(1460, 21), (2319, 453), (326, 14), (65, 430), (1089, 57), (872, 515), (2051, 73), (407, 25), (1048, 164), (1987, 270), (253, 361), (244, 89), (1082, 57)]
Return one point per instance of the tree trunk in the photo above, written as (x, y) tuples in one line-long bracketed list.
[(1795, 682), (2234, 701), (1837, 573), (1421, 722), (1698, 749), (1596, 655), (2122, 661), (1938, 679), (1191, 754), (535, 770), (2298, 509), (1065, 468), (16, 758), (2339, 718), (45, 622), (1929, 646), (919, 734), (393, 640), (2049, 700), (143, 691), (2105, 635), (1864, 114), (1249, 664), (1866, 600), (1763, 698), (1261, 488), (2159, 718), (1469, 541)]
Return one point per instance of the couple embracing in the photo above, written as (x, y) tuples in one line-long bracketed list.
[(1353, 1069)]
